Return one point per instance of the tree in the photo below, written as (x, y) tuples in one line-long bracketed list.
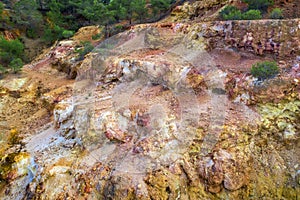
[(158, 6), (106, 2), (61, 20), (26, 15), (261, 5), (97, 12), (92, 10), (118, 9), (54, 15), (8, 3), (108, 18), (10, 50), (65, 13), (10, 54), (53, 33), (16, 64), (139, 9), (73, 6), (122, 10), (43, 5)]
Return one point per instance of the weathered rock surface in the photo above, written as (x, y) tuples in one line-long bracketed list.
[(278, 38), (157, 112)]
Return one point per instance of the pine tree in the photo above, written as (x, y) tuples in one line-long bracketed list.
[(26, 15), (139, 9), (158, 6)]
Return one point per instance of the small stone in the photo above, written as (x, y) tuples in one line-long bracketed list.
[(233, 181), (214, 188), (282, 62), (127, 113), (289, 132)]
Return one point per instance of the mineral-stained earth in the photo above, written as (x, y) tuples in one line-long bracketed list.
[(161, 111)]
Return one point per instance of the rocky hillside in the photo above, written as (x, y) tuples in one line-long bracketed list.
[(167, 110)]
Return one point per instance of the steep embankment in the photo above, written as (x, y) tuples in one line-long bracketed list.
[(162, 111)]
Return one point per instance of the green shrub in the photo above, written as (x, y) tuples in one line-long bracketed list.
[(252, 15), (97, 36), (276, 14), (261, 5), (31, 33), (26, 15), (16, 64), (11, 53), (50, 35), (264, 70), (10, 50), (54, 33), (231, 13), (67, 33), (87, 48)]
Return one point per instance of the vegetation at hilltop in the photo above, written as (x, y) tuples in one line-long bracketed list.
[(53, 20), (261, 5), (255, 9)]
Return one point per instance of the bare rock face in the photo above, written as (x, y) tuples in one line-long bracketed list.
[(225, 168), (202, 10), (262, 37), (63, 55), (86, 33)]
